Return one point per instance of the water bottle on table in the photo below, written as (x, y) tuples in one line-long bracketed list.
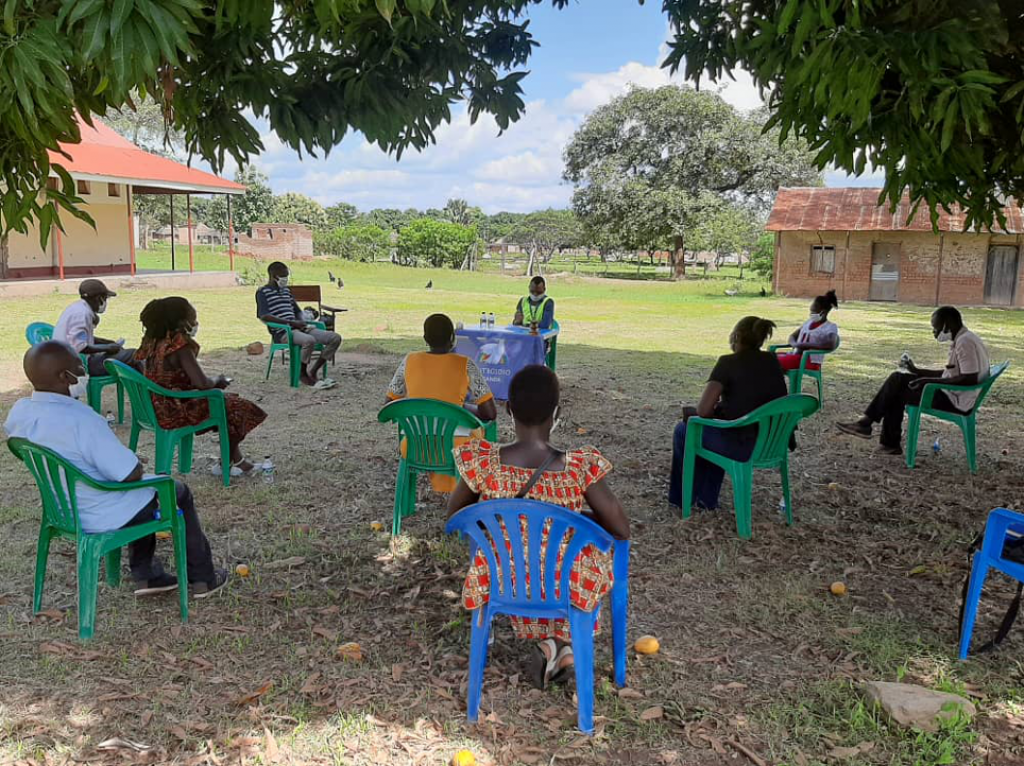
[(490, 320), (483, 319)]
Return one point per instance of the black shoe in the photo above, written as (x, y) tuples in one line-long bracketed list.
[(204, 589), (863, 430), (161, 584), (885, 449)]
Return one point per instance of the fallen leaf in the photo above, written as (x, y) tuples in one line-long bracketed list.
[(327, 633), (146, 718), (247, 699), (627, 693), (581, 431), (50, 614), (653, 713), (116, 743), (179, 732), (350, 651), (288, 563), (273, 752), (396, 672), (310, 687)]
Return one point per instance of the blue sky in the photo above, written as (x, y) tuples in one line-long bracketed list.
[(590, 52)]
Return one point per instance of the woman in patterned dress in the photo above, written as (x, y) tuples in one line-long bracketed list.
[(169, 350), (574, 479)]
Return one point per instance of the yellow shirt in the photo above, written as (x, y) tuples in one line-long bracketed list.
[(450, 377)]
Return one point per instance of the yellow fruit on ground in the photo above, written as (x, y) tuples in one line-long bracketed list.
[(163, 534), (464, 758), (647, 645), (350, 651), (242, 570), (833, 486), (838, 588), (377, 526)]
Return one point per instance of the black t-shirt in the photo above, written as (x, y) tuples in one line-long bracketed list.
[(749, 379)]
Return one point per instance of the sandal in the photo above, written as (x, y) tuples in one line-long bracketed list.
[(323, 385), (216, 470), (545, 670)]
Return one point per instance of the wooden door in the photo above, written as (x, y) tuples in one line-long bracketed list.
[(885, 272), (1001, 275)]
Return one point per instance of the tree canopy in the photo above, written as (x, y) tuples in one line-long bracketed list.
[(930, 92), (651, 164), (314, 69)]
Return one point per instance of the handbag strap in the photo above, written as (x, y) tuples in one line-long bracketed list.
[(1011, 614), (522, 493)]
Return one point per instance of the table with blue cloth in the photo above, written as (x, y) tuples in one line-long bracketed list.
[(501, 352)]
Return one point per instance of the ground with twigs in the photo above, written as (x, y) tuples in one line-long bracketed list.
[(758, 664)]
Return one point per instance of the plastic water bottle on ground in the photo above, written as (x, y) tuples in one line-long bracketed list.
[(936, 447), (267, 469), (110, 419), (782, 505)]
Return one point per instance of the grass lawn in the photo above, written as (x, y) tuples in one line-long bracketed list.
[(758, 663)]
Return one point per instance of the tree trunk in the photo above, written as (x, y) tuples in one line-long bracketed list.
[(529, 265), (678, 258), (4, 255)]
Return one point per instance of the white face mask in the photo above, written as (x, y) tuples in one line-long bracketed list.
[(78, 389), (817, 317), (944, 337), (538, 298), (102, 306), (282, 281), (193, 330)]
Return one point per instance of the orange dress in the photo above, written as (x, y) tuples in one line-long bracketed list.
[(451, 378), (243, 415), (479, 464)]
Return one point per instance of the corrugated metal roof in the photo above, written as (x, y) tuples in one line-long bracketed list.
[(857, 209), (103, 154)]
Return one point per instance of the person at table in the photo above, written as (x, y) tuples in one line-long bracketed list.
[(535, 307), (816, 333), (739, 383), (170, 353), (967, 365), (440, 373), (77, 328), (274, 303), (573, 479), (52, 418)]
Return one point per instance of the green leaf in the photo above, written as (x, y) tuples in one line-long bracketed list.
[(9, 26), (386, 8), (122, 10), (949, 124)]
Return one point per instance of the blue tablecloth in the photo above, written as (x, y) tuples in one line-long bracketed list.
[(501, 352)]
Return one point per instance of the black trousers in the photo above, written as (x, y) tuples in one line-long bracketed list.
[(96, 368), (142, 553), (891, 401)]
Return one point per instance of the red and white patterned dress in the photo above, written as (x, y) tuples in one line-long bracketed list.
[(480, 466)]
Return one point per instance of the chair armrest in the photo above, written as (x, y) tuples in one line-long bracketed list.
[(931, 389), (209, 393), (278, 326), (157, 482), (718, 423), (777, 346), (332, 309)]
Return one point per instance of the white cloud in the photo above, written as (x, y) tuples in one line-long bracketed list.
[(598, 89)]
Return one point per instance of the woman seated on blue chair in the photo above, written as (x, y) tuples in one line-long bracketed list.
[(739, 383), (566, 478)]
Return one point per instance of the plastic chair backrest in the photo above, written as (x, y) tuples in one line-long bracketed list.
[(56, 479), (776, 421), (37, 332), (482, 523), (139, 388), (428, 426), (986, 385)]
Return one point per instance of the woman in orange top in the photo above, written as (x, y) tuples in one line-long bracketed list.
[(446, 376), (574, 479)]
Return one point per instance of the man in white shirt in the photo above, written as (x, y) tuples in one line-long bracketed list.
[(52, 418), (77, 325), (968, 365)]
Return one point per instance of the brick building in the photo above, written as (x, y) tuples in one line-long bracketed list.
[(276, 241), (842, 239)]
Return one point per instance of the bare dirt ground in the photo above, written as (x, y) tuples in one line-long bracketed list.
[(758, 660)]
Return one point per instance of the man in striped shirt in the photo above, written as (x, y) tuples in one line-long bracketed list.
[(274, 303)]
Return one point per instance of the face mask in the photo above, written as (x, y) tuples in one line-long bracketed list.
[(539, 298), (77, 390), (282, 281), (193, 330), (944, 337), (102, 306), (817, 317)]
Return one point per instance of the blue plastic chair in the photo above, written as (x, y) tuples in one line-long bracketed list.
[(1000, 522), (481, 523)]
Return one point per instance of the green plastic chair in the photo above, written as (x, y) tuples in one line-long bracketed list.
[(292, 352), (776, 422), (552, 355), (967, 422), (796, 377), (58, 480), (140, 390), (428, 426), (37, 332)]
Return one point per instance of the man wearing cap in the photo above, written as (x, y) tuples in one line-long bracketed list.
[(77, 328)]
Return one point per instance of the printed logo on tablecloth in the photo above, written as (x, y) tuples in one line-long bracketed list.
[(493, 354)]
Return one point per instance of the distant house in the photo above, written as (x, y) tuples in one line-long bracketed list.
[(201, 235), (278, 241), (842, 239), (108, 170)]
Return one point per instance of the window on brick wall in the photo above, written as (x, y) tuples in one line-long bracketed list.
[(823, 259), (84, 187)]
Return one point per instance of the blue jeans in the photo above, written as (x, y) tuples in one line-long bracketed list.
[(708, 477)]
